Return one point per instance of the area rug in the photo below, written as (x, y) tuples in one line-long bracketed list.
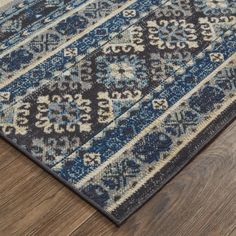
[(115, 97)]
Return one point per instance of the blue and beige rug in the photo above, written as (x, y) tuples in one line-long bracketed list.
[(114, 97)]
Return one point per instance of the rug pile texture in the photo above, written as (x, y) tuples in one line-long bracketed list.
[(114, 97)]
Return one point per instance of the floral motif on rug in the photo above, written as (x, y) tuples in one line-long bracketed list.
[(114, 97)]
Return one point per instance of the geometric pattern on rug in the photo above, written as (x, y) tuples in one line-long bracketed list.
[(114, 97)]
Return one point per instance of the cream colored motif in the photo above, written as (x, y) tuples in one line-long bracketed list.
[(172, 34), (63, 113)]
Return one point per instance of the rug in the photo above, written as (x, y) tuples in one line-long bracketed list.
[(115, 97)]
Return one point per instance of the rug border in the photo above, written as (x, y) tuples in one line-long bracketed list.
[(183, 158), (57, 177), (214, 128)]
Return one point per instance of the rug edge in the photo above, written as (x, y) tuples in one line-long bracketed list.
[(215, 127), (198, 144), (60, 179)]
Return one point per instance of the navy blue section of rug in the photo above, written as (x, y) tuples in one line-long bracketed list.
[(114, 97)]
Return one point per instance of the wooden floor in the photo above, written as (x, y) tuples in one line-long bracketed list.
[(201, 200)]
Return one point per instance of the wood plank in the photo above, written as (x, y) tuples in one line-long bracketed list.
[(33, 202), (200, 200)]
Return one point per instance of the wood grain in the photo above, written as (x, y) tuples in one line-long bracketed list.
[(200, 200), (33, 202)]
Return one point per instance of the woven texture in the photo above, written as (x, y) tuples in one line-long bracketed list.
[(114, 97)]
